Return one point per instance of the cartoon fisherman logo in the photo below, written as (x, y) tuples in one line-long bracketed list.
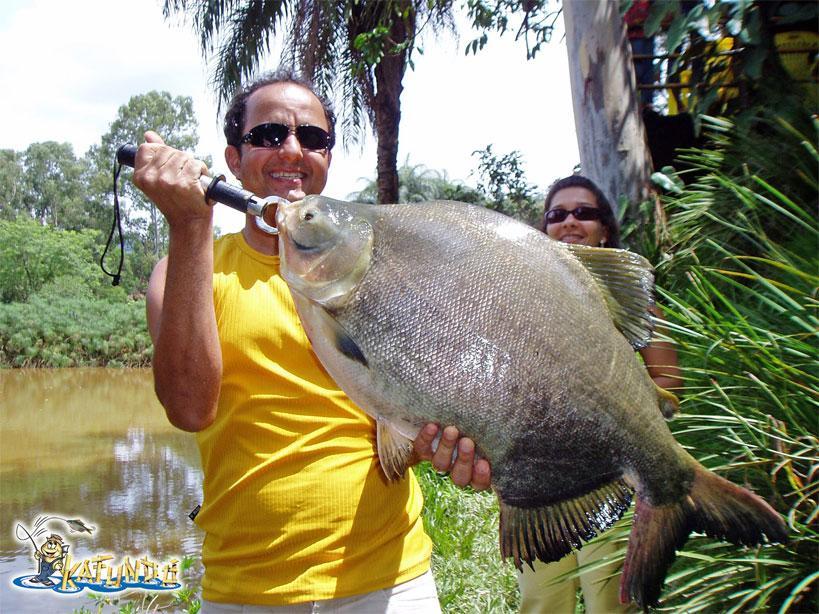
[(62, 572), (50, 556)]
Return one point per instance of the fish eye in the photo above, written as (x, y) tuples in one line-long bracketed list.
[(308, 215)]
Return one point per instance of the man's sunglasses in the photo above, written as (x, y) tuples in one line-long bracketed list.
[(273, 135), (581, 214)]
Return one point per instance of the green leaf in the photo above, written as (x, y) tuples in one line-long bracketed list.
[(666, 183), (678, 28), (656, 14)]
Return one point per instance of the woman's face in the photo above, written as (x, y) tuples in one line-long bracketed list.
[(572, 230)]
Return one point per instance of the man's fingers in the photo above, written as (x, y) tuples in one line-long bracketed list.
[(461, 472), (442, 458), (423, 441), (153, 137), (464, 469), (481, 475)]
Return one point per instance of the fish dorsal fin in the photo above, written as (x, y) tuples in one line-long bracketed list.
[(627, 281), (394, 450), (551, 532)]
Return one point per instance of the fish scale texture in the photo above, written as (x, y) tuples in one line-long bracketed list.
[(469, 318)]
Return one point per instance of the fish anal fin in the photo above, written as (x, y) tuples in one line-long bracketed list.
[(550, 532), (627, 282), (394, 450), (714, 506)]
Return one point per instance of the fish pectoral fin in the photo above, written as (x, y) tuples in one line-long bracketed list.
[(550, 532), (627, 282), (347, 346), (394, 450), (668, 401), (342, 340)]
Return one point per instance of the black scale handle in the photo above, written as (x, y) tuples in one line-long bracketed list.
[(216, 188)]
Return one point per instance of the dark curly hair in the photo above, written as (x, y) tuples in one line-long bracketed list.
[(606, 212), (235, 115)]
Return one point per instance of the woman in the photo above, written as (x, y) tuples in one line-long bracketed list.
[(576, 211)]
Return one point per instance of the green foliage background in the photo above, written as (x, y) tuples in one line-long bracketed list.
[(57, 309), (739, 270)]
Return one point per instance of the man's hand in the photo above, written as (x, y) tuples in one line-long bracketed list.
[(170, 178), (464, 469)]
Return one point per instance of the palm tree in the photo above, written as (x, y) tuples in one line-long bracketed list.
[(417, 183), (359, 48)]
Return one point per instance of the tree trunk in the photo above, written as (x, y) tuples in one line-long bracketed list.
[(387, 119), (610, 133), (389, 74)]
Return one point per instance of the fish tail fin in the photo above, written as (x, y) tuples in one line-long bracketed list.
[(715, 507)]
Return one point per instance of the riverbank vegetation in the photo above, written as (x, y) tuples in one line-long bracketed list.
[(57, 308), (738, 272)]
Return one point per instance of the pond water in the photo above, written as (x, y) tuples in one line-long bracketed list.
[(93, 445)]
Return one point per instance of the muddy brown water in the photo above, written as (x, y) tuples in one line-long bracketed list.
[(94, 445)]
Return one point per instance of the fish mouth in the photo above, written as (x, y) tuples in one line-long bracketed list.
[(284, 211)]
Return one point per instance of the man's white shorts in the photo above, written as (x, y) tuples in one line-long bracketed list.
[(418, 596)]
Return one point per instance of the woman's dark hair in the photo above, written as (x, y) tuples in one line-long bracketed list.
[(235, 115), (606, 212)]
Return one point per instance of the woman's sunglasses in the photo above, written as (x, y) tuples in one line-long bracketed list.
[(581, 214), (273, 135)]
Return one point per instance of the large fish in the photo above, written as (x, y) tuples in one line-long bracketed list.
[(450, 313)]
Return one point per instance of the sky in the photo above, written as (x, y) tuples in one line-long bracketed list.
[(68, 66)]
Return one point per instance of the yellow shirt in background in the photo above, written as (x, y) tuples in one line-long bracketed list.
[(296, 507)]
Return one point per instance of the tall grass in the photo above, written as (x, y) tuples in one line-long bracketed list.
[(463, 525), (740, 287)]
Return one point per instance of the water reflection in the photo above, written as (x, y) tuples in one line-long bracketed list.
[(94, 444)]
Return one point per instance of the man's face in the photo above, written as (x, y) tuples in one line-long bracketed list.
[(290, 170)]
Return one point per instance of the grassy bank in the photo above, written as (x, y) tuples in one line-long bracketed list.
[(49, 331)]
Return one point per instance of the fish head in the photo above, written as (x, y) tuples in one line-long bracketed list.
[(325, 246)]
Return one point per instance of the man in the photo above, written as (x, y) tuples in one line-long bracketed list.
[(296, 510)]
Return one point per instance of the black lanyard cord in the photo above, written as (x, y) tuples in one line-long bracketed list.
[(116, 225)]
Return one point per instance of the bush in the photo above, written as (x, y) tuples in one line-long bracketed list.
[(74, 331), (32, 255)]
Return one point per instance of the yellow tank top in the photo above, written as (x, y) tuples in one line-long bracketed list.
[(296, 507)]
